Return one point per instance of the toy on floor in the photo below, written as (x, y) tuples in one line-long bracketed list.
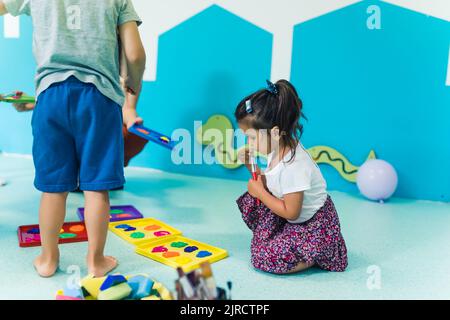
[(116, 287), (140, 231), (181, 252), (17, 97), (117, 213), (29, 236), (200, 285), (158, 241), (153, 136)]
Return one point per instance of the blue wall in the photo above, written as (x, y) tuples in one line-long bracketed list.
[(362, 89)]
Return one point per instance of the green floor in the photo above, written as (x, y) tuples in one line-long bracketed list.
[(407, 240)]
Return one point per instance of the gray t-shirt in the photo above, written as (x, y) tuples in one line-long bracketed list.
[(77, 38)]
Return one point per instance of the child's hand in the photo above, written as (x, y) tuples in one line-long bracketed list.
[(244, 156), (130, 117), (23, 107), (127, 87), (256, 187)]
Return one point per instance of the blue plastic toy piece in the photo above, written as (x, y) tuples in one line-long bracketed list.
[(153, 136), (111, 281), (141, 287), (73, 291)]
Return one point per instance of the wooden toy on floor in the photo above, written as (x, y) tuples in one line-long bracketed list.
[(29, 236), (117, 213), (199, 284), (152, 136), (17, 97), (142, 230)]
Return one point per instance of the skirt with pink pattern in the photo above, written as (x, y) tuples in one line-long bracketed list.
[(279, 246)]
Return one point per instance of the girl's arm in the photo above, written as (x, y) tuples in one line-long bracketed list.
[(289, 208)]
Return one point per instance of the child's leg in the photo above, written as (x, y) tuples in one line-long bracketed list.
[(302, 266), (97, 219), (51, 219)]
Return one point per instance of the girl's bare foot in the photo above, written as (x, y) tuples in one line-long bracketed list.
[(100, 267), (301, 267), (46, 266)]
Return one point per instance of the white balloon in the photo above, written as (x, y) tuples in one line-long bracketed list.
[(377, 180)]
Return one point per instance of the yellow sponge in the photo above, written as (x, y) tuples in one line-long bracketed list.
[(92, 285), (163, 292), (118, 292)]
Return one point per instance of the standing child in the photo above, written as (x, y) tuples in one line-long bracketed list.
[(295, 224), (77, 121)]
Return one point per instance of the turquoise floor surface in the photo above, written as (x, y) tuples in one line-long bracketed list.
[(407, 241)]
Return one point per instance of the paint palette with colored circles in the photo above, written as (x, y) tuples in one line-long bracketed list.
[(153, 136), (142, 230), (29, 236), (178, 251), (118, 213)]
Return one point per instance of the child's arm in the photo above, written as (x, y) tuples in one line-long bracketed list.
[(134, 55), (289, 208), (3, 10), (132, 66), (129, 110)]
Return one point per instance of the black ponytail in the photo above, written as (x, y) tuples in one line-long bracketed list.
[(271, 108)]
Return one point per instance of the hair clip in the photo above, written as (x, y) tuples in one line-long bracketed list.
[(272, 88), (248, 106)]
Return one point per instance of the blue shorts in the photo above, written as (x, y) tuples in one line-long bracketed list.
[(78, 140)]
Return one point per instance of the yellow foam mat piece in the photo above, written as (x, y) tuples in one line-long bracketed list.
[(171, 251), (146, 229)]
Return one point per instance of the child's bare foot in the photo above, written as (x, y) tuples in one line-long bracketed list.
[(46, 267), (100, 267)]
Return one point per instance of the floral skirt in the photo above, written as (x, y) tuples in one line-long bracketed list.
[(279, 246)]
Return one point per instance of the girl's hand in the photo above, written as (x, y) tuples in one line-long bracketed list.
[(256, 187), (244, 156), (130, 117)]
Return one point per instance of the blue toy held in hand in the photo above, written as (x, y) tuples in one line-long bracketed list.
[(152, 136)]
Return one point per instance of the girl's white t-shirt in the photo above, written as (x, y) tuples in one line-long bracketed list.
[(299, 174)]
